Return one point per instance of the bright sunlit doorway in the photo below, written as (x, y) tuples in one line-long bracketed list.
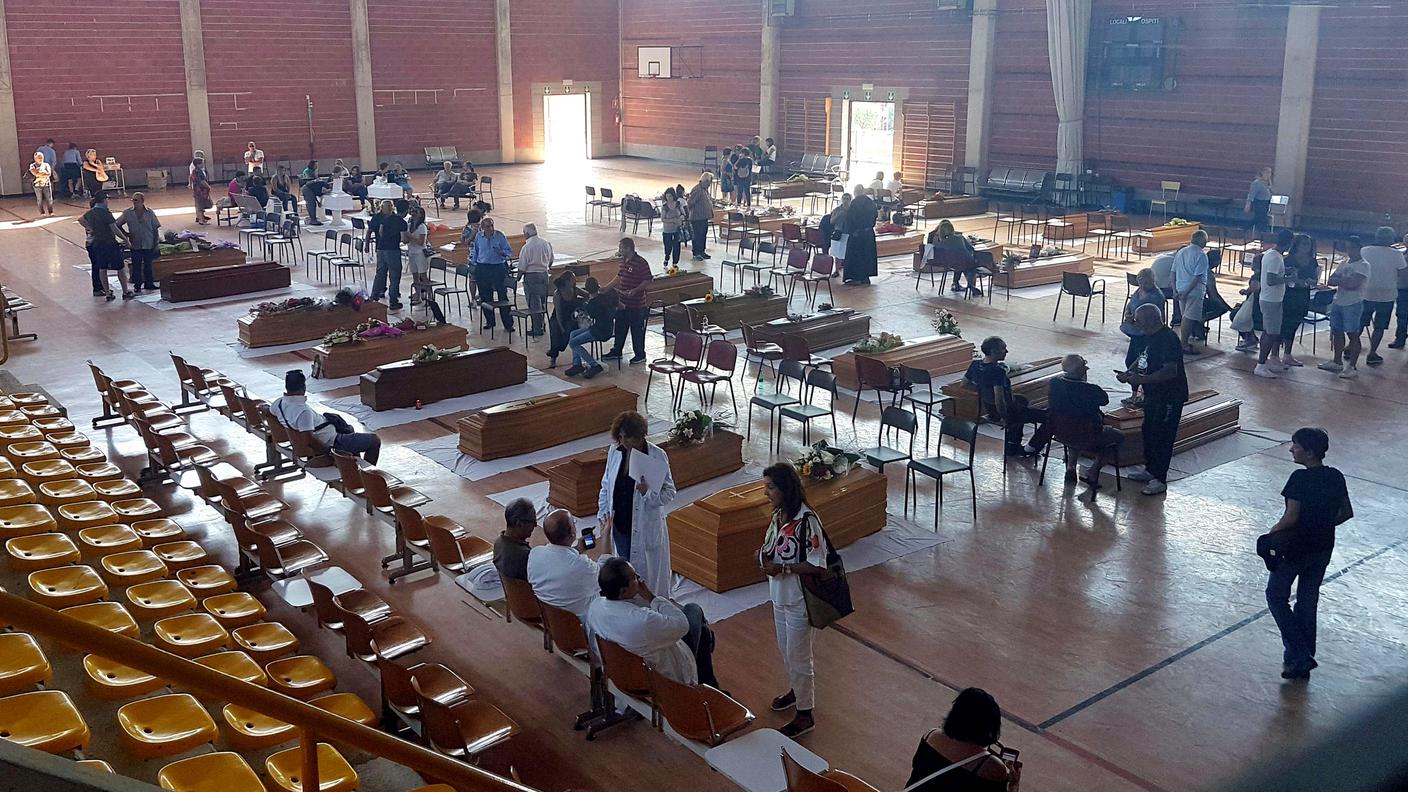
[(871, 140), (565, 127)]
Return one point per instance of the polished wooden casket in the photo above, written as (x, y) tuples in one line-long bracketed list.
[(359, 357), (822, 330), (295, 326), (405, 382), (1207, 416), (574, 485), (542, 422), (936, 354)]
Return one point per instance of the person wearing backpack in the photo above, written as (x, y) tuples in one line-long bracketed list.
[(743, 179)]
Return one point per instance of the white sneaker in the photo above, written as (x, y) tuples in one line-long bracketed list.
[(1330, 365), (1154, 487), (1350, 372), (1264, 370)]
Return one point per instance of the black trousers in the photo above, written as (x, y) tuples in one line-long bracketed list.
[(630, 320), (699, 230), (1400, 333), (1019, 414), (672, 246), (1159, 431)]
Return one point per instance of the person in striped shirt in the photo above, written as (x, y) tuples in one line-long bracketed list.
[(630, 284)]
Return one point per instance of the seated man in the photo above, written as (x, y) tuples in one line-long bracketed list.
[(1074, 412), (511, 548), (677, 642), (292, 411), (560, 574), (996, 402)]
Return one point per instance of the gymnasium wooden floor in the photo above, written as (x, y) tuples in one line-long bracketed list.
[(1127, 641)]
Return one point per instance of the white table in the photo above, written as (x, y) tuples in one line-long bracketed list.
[(386, 191), (754, 760), (337, 202)]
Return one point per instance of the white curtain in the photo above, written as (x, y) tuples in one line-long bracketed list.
[(1067, 45)]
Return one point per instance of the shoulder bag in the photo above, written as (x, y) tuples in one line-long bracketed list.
[(828, 596), (1273, 547)]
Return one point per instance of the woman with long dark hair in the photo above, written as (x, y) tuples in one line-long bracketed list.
[(960, 756), (1300, 261), (793, 546)]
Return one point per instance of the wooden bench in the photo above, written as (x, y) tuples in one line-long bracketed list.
[(575, 485), (404, 383), (936, 354), (169, 263), (1032, 381), (542, 422), (295, 326), (224, 281), (822, 330), (359, 357)]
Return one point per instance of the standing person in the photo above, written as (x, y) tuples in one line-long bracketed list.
[(566, 299), (104, 248), (51, 157), (253, 158), (632, 510), (769, 157), (1190, 285), (414, 236), (143, 231), (743, 178), (600, 308), (630, 284), (43, 175), (282, 188), (1317, 502), (1347, 317), (94, 174), (862, 264), (387, 227), (671, 217), (1159, 372), (1271, 299), (727, 160), (200, 188), (534, 259), (490, 253), (71, 170), (1302, 274), (1400, 333), (1147, 293), (700, 208), (1258, 203), (1163, 278), (793, 546), (1385, 265), (965, 744)]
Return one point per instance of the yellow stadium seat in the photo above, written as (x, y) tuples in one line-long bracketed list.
[(266, 641), (334, 773), (23, 400), (181, 555), (40, 551), (102, 540), (347, 705), (212, 772), (67, 440), (70, 490), (25, 520), (300, 676), (131, 568), (42, 411), (134, 509), (158, 531), (13, 418), (114, 490), (20, 453), (159, 599), (7, 468), (44, 470), (52, 425), (96, 765), (247, 730), (77, 516), (22, 663), (110, 616), (45, 720), (235, 609), (83, 456), (62, 587), (207, 580), (98, 471), (19, 433), (14, 492), (165, 725), (112, 681), (190, 635), (236, 664)]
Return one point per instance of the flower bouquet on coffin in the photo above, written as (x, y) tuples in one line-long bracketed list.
[(695, 426), (822, 462), (884, 342), (431, 354), (946, 323)]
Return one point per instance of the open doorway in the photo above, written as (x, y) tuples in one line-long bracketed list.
[(565, 128), (871, 140)]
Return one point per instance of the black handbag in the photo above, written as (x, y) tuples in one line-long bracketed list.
[(1273, 548), (828, 596)]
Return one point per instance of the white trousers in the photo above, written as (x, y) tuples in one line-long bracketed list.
[(794, 636)]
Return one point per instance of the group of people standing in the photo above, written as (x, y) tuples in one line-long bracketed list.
[(72, 174), (740, 165)]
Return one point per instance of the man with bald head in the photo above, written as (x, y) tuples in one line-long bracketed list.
[(1159, 371), (1073, 413), (560, 574)]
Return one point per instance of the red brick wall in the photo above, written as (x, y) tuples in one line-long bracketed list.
[(66, 53), (257, 83), (1023, 106), (555, 41), (434, 75)]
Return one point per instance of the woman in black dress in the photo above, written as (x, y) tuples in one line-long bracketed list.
[(861, 261), (1297, 301), (566, 300), (959, 757)]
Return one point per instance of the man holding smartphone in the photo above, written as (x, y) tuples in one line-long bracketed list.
[(1159, 371)]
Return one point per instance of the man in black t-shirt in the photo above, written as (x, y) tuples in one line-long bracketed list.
[(1317, 501), (387, 227), (1073, 412), (989, 377), (1159, 372)]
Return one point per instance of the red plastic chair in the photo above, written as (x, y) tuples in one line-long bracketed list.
[(720, 361), (689, 348)]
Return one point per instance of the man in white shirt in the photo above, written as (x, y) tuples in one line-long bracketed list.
[(560, 574), (878, 183), (253, 157), (533, 261), (675, 641), (895, 185), (1190, 284), (1347, 312), (1381, 290), (1269, 300), (292, 411)]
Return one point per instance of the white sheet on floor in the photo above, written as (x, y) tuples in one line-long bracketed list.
[(537, 384), (257, 352), (1038, 292), (444, 451)]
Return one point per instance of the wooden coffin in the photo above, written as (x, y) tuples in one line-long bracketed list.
[(604, 270), (405, 382), (936, 354), (210, 282), (794, 189), (822, 330), (728, 314), (542, 422), (898, 244), (672, 289), (575, 485), (1165, 238), (1042, 271), (359, 357), (196, 259), (1032, 380), (452, 249), (1206, 417), (290, 328), (994, 249), (714, 541), (769, 223), (956, 206)]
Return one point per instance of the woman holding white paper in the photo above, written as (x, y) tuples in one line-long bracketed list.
[(633, 498)]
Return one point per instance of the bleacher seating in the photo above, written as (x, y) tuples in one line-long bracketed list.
[(437, 156), (1027, 184)]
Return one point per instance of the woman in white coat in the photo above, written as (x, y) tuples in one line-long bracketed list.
[(633, 512)]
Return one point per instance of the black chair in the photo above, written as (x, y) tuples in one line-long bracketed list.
[(608, 203), (936, 467), (1078, 284), (453, 281), (357, 260), (765, 352), (1318, 313), (809, 408), (1075, 437), (893, 420), (772, 402), (873, 374), (927, 400)]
